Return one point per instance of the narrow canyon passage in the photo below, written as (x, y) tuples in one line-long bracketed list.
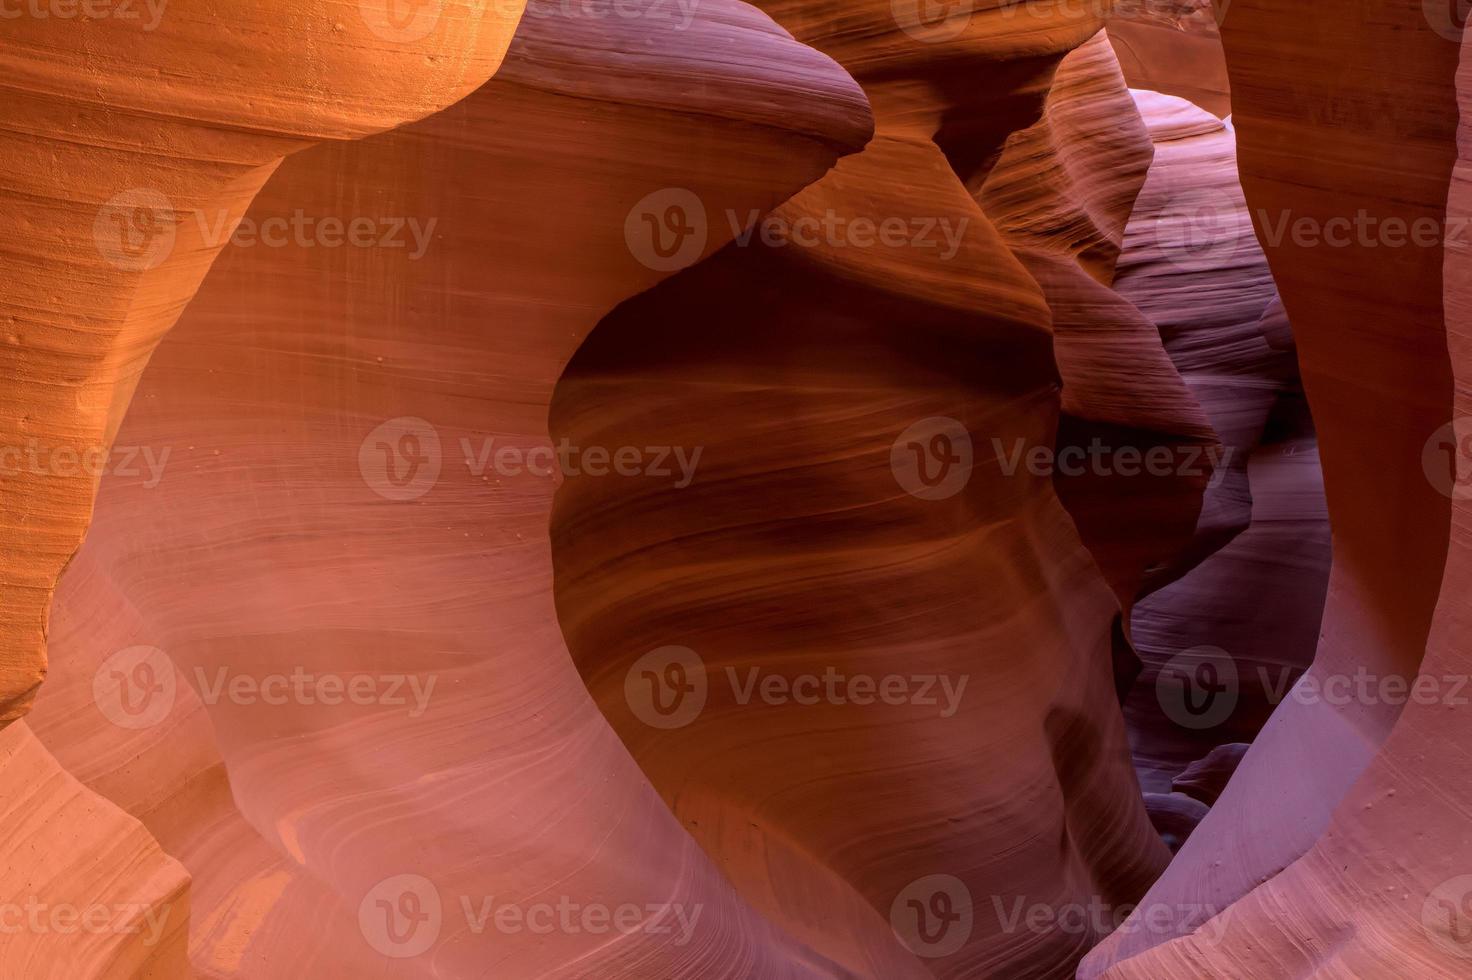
[(671, 490)]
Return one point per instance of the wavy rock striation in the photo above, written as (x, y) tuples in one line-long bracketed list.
[(1243, 600), (1061, 195), (791, 644), (1174, 47), (1337, 878), (319, 515), (112, 179)]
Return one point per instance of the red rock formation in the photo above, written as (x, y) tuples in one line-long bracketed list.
[(1061, 195), (1244, 598), (1205, 778), (827, 682), (106, 169), (276, 541), (1328, 878), (105, 200), (87, 891), (821, 541), (1175, 47)]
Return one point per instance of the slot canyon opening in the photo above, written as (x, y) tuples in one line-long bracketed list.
[(1096, 615), (1185, 455), (1226, 620)]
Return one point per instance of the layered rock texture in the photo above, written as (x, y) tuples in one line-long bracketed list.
[(1337, 877), (724, 490), (1174, 47), (122, 127), (799, 553)]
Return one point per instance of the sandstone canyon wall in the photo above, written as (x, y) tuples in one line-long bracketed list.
[(791, 489), (120, 128)]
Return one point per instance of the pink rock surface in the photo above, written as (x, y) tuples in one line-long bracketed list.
[(1335, 877), (277, 542), (572, 524), (1174, 47), (1061, 195), (1244, 597)]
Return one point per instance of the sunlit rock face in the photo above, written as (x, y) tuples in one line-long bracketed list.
[(733, 490), (1174, 47), (882, 539), (253, 530), (122, 124)]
